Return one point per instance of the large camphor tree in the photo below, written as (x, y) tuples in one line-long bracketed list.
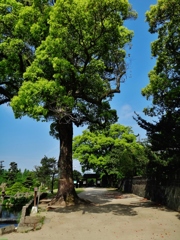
[(75, 71), (164, 86)]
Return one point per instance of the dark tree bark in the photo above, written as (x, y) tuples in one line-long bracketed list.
[(66, 194)]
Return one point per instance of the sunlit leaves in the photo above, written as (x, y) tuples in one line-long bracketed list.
[(110, 151), (33, 98), (23, 25), (80, 45), (163, 19), (164, 86)]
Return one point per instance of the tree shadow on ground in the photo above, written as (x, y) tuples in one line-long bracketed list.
[(106, 206), (102, 203), (149, 204), (116, 209)]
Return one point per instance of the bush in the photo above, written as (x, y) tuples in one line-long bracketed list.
[(16, 187)]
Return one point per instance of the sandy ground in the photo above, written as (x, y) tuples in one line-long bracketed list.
[(114, 216)]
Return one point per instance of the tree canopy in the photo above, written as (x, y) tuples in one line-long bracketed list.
[(74, 64), (164, 85), (79, 66), (47, 171), (113, 151), (23, 25)]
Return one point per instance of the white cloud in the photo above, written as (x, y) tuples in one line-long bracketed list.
[(126, 112)]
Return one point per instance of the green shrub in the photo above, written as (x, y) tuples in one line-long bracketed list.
[(16, 187)]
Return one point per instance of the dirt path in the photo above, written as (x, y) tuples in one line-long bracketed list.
[(114, 216)]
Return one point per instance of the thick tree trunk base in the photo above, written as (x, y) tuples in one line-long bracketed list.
[(69, 200), (66, 195)]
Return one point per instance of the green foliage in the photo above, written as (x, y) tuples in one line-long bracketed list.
[(15, 188), (46, 172), (74, 68), (12, 174), (77, 175), (3, 176), (17, 181), (28, 179), (22, 28), (64, 62), (21, 200), (79, 190), (17, 202), (164, 85), (113, 151)]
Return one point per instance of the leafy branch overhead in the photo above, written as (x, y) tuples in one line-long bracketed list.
[(79, 66), (68, 59), (164, 86)]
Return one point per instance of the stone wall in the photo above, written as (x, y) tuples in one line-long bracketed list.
[(27, 222), (139, 186), (166, 193)]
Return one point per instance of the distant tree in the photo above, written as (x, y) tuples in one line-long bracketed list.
[(12, 174), (77, 175), (29, 179), (15, 188), (113, 151), (2, 172), (13, 167), (3, 178), (47, 171), (1, 167), (164, 86)]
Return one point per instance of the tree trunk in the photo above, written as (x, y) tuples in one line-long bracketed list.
[(66, 194)]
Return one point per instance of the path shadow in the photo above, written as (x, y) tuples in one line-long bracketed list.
[(149, 204), (102, 203), (116, 209)]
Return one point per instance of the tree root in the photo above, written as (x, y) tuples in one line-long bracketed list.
[(71, 200)]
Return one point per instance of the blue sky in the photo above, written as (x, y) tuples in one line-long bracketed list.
[(26, 141)]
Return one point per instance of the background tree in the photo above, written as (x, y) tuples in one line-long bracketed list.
[(2, 172), (12, 174), (114, 151), (15, 179), (47, 171), (164, 85), (3, 176), (1, 166), (29, 179), (77, 175), (76, 71)]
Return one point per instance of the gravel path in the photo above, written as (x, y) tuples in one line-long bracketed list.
[(113, 216)]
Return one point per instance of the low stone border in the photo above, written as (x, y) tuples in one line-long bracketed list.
[(7, 229), (26, 223), (31, 223)]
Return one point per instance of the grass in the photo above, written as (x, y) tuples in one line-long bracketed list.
[(79, 190), (50, 195)]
